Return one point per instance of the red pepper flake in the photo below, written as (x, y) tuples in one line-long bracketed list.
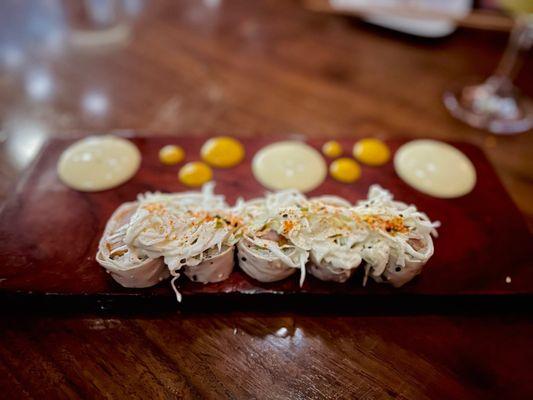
[(156, 208), (287, 226), (392, 226)]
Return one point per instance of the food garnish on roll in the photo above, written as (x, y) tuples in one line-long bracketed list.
[(161, 235), (192, 231), (265, 251), (126, 265), (391, 238), (400, 238), (335, 238)]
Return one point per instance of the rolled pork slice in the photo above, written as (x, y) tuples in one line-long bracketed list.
[(398, 275), (335, 259), (260, 264), (329, 272), (385, 264), (336, 267), (216, 267), (127, 267)]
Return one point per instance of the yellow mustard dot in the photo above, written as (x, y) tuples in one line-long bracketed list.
[(170, 154), (195, 173), (371, 151), (222, 152), (332, 149), (345, 170)]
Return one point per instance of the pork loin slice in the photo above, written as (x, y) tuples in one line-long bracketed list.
[(398, 276), (329, 273), (127, 268), (214, 268), (260, 264)]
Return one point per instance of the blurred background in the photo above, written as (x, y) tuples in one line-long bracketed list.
[(319, 68)]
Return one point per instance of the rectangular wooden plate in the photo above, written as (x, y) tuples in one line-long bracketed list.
[(49, 233)]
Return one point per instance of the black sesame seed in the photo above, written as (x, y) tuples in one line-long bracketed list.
[(243, 258), (398, 269), (194, 278), (183, 261)]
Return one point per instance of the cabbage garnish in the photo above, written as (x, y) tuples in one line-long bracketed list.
[(185, 229), (270, 254), (124, 263), (400, 237)]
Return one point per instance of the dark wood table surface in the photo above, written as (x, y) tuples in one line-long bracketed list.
[(248, 68)]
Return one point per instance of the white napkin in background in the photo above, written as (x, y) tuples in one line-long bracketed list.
[(416, 25)]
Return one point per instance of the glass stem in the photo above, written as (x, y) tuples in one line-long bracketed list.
[(520, 41)]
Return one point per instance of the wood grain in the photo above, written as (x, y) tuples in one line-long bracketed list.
[(266, 356), (248, 68)]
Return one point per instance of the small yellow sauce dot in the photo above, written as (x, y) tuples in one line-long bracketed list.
[(371, 151), (170, 154), (195, 173), (222, 152), (332, 149), (345, 170)]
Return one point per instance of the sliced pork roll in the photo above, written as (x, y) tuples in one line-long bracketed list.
[(327, 272), (265, 253), (334, 238), (191, 231), (333, 266), (400, 240), (124, 263), (163, 223), (215, 266), (266, 261)]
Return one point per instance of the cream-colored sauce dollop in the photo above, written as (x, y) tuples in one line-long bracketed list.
[(435, 168), (98, 163), (289, 165)]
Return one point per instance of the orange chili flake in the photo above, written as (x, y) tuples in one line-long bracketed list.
[(287, 226), (235, 220), (156, 208), (392, 226), (397, 225)]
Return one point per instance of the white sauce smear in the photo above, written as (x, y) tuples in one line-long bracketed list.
[(98, 163), (289, 165), (435, 168)]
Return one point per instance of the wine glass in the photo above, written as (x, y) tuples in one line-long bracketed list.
[(496, 104)]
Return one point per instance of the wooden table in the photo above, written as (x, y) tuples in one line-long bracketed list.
[(248, 68)]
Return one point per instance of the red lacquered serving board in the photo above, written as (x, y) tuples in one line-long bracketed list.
[(49, 233)]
